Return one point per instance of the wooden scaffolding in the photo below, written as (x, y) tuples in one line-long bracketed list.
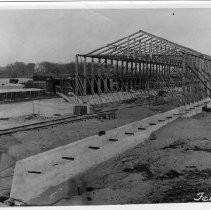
[(143, 63)]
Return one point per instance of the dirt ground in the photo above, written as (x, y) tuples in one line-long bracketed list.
[(27, 143), (44, 107), (173, 165)]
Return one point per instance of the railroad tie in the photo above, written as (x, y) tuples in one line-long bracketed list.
[(113, 139), (68, 158), (152, 123), (141, 128), (34, 172), (129, 133), (94, 147)]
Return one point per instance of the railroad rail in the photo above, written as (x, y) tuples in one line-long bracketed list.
[(52, 122)]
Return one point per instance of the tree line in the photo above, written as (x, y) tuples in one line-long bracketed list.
[(27, 70), (21, 69)]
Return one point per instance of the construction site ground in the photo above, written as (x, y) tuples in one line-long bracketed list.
[(14, 114), (172, 167), (23, 144)]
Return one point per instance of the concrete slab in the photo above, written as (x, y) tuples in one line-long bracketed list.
[(44, 107), (15, 90), (48, 176)]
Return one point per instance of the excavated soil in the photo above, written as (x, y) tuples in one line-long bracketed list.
[(27, 143), (172, 166)]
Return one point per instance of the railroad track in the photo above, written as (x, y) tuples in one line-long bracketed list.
[(59, 120), (47, 123)]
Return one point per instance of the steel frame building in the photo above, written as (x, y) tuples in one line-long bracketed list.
[(144, 62)]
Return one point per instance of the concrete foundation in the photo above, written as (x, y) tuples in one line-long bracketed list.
[(44, 107), (119, 96), (49, 176)]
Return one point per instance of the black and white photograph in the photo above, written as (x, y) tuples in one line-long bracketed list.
[(105, 103)]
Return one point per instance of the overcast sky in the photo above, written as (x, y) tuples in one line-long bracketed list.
[(57, 35)]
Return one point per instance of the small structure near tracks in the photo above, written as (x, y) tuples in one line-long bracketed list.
[(108, 115)]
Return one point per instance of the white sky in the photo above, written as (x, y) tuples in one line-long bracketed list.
[(57, 35)]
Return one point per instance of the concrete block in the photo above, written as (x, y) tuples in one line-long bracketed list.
[(81, 110)]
